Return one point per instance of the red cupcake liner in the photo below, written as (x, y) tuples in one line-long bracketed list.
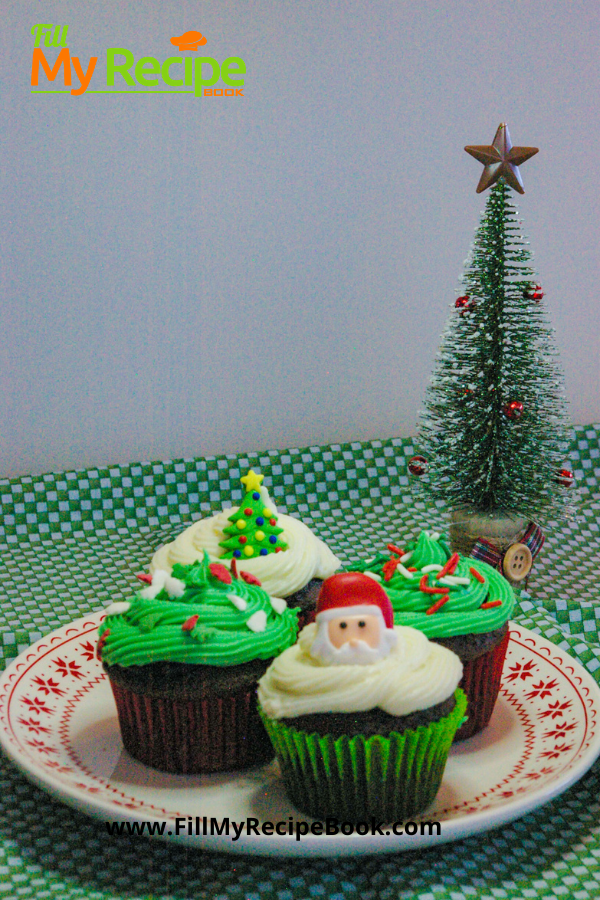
[(192, 736), (481, 683)]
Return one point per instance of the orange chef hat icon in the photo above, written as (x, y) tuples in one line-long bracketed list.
[(190, 40)]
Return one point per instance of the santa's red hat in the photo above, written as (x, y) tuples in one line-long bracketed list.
[(347, 590)]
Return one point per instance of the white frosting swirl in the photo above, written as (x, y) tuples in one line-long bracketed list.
[(280, 574), (415, 675)]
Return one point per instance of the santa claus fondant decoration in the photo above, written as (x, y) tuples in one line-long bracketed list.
[(354, 621)]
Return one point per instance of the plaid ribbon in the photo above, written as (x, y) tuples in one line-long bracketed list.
[(489, 553)]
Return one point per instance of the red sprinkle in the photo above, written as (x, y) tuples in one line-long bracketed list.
[(437, 605), (393, 549), (221, 572), (101, 643), (188, 625), (450, 566), (411, 569), (145, 577), (390, 567), (250, 579), (423, 586), (272, 521), (491, 603), (477, 575), (247, 511)]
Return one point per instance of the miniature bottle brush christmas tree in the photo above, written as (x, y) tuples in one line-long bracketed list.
[(493, 435)]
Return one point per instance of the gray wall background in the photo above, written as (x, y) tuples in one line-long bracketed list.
[(183, 276)]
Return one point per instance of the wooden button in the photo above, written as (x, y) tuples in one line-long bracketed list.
[(517, 562)]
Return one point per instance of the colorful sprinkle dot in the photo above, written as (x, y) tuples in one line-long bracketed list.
[(272, 521), (248, 551), (267, 512), (260, 535), (241, 523), (247, 511), (260, 520), (263, 551), (273, 539), (242, 538), (256, 495), (237, 553)]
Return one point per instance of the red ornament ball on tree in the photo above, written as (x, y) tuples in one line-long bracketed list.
[(513, 410), (535, 294), (464, 304), (417, 465), (564, 477)]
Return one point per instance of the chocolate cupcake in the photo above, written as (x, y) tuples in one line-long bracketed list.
[(458, 602), (279, 550), (184, 658), (361, 713)]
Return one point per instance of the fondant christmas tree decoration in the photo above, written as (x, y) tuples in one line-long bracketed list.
[(355, 621), (253, 530), (494, 429)]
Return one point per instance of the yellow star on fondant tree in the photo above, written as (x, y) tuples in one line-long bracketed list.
[(252, 481), (501, 160)]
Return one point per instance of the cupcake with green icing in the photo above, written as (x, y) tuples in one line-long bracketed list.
[(184, 657), (456, 601)]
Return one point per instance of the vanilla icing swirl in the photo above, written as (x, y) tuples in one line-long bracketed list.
[(415, 675), (280, 574)]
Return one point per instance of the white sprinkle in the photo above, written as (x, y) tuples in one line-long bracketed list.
[(435, 535), (405, 572), (257, 621), (434, 567), (373, 575), (278, 604), (118, 608), (238, 602), (174, 587), (158, 583), (407, 557)]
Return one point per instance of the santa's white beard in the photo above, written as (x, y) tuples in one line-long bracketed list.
[(359, 654)]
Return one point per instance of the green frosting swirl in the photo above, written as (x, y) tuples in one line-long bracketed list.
[(461, 614), (150, 630)]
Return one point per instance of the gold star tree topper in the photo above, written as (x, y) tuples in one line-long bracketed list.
[(252, 481), (501, 160)]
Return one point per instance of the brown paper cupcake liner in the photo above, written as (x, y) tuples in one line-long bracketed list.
[(189, 736), (389, 778), (481, 683)]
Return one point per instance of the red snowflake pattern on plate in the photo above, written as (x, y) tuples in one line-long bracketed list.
[(56, 711)]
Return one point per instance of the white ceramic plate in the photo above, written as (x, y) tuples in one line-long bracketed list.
[(58, 724)]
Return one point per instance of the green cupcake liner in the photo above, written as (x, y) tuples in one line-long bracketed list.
[(389, 778)]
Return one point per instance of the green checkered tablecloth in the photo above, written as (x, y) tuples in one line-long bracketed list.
[(72, 542)]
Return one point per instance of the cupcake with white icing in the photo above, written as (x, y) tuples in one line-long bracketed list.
[(361, 713), (279, 550)]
